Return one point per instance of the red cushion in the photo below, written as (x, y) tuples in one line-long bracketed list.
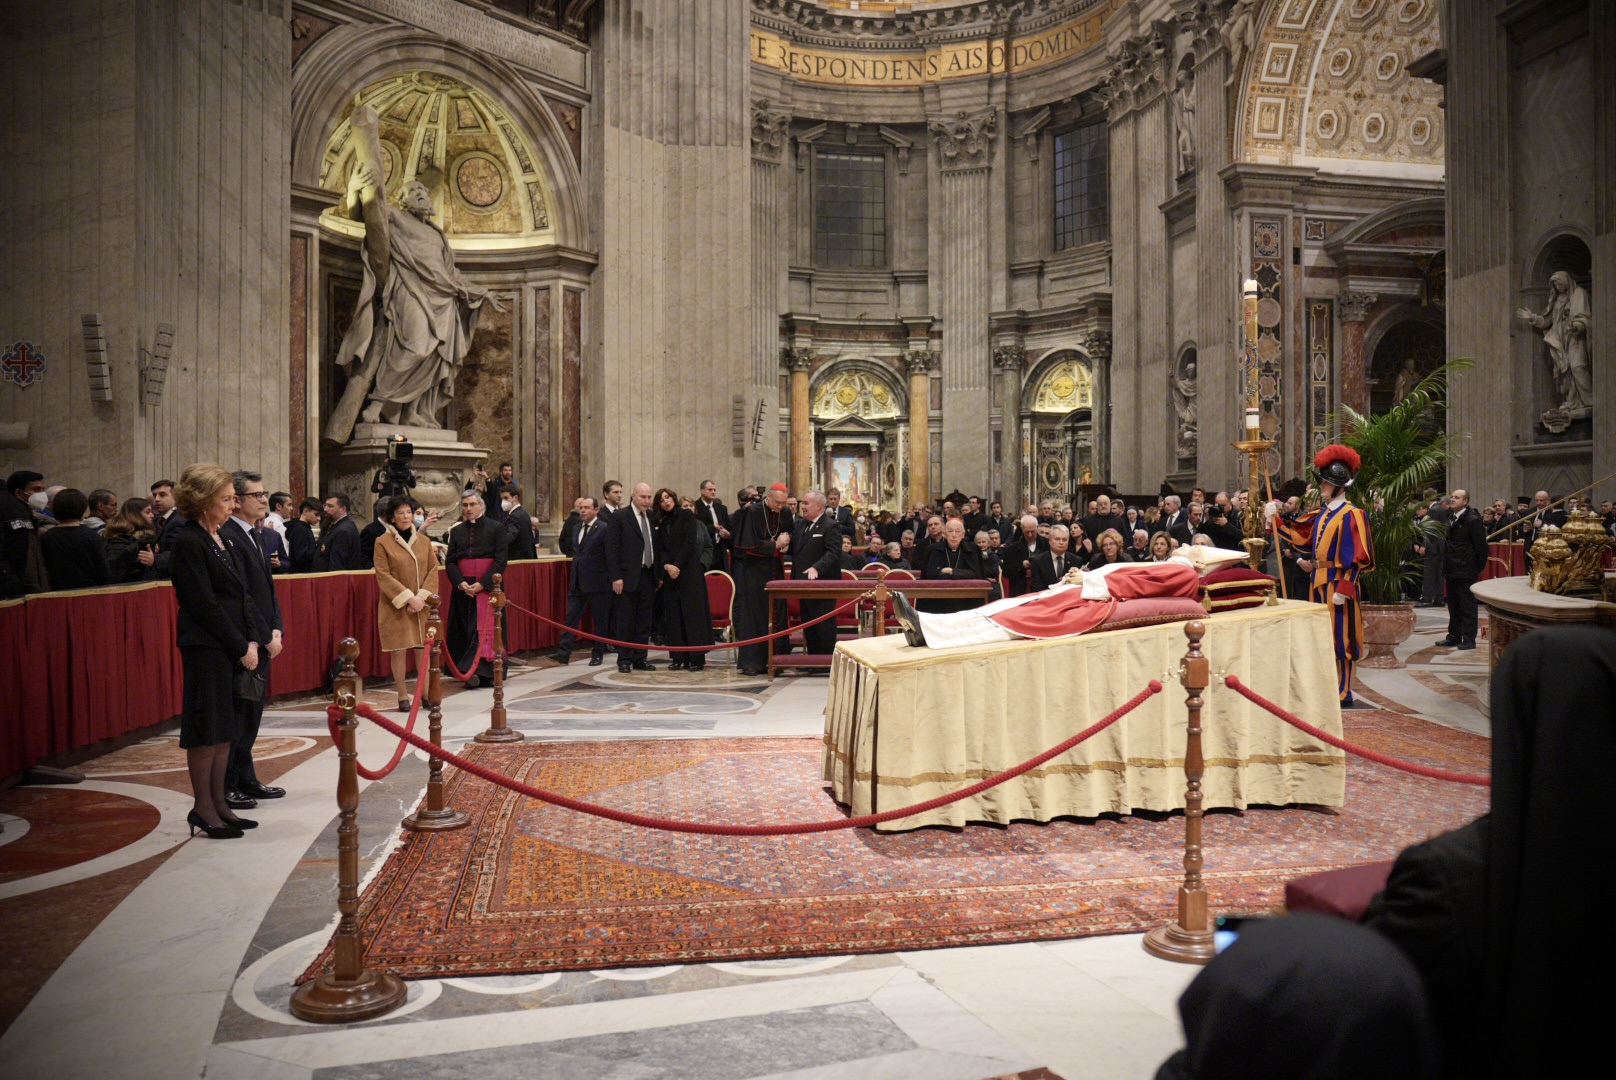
[(1151, 610), (1236, 587), (1342, 893)]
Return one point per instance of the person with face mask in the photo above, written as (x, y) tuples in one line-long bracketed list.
[(523, 545), (19, 538), (406, 575)]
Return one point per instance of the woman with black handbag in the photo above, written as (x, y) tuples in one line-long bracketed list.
[(220, 659)]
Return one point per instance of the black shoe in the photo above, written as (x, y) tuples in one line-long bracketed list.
[(1356, 704), (472, 683), (238, 801), (752, 672), (624, 669), (1448, 642), (1465, 645), (404, 704), (679, 665), (596, 661), (212, 832), (698, 667), (909, 619), (255, 790), (239, 822), (561, 658), (642, 665)]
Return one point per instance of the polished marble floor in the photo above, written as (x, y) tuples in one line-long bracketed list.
[(137, 953)]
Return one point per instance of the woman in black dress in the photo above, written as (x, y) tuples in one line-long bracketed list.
[(130, 539), (213, 642), (686, 618), (1111, 550)]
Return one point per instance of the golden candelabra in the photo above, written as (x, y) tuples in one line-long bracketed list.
[(1253, 445)]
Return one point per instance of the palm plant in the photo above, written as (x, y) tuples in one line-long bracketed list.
[(1403, 451)]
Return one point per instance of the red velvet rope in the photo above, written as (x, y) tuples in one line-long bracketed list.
[(668, 825), (333, 713), (1233, 683), (831, 614)]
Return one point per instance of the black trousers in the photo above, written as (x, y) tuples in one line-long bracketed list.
[(631, 618), (599, 606), (238, 767), (1461, 609)]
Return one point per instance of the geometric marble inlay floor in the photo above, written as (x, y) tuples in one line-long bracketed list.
[(137, 952)]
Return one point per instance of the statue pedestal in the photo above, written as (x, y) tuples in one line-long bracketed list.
[(441, 465)]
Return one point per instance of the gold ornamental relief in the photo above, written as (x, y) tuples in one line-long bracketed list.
[(1067, 386), (855, 393)]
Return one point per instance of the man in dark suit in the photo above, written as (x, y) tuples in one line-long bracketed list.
[(589, 586), (630, 567), (1172, 515), (1018, 553), (1189, 523), (816, 555), (168, 521), (370, 534), (338, 548), (1463, 560), (567, 535), (711, 512), (841, 515), (241, 535), (1542, 518), (300, 536), (523, 544), (1050, 564)]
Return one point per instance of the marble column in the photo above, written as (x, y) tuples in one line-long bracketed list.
[(799, 362), (1011, 360), (960, 261), (919, 362), (1219, 271), (1354, 307)]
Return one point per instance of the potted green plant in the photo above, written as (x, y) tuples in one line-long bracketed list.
[(1403, 451)]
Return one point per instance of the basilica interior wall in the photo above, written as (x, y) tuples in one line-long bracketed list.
[(150, 187)]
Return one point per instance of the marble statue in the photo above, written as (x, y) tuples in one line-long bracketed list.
[(1565, 324), (413, 323), (1407, 379), (1184, 121), (1239, 35), (1184, 389)]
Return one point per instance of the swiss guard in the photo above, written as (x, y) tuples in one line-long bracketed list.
[(1333, 547)]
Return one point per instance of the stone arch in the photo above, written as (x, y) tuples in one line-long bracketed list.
[(1327, 85), (1406, 331), (876, 372), (349, 57), (1564, 247), (1042, 369)]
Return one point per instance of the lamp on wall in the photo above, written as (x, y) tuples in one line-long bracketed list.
[(95, 357), (154, 366)]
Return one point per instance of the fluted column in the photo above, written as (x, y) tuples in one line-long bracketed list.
[(799, 362), (770, 254), (1354, 307), (964, 143), (1219, 273), (919, 363), (1010, 360)]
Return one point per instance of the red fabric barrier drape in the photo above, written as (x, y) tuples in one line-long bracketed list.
[(1504, 560), (84, 666)]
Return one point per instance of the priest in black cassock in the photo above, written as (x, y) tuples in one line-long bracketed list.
[(477, 551), (762, 533)]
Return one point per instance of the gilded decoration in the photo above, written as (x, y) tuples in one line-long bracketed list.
[(479, 168), (856, 393), (1066, 386), (1328, 79)]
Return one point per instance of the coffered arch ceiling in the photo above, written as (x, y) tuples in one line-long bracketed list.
[(1327, 84)]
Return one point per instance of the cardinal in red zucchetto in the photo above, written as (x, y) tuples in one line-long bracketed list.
[(1333, 546)]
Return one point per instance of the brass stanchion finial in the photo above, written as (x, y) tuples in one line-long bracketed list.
[(435, 816), (497, 731), (1189, 938), (351, 991)]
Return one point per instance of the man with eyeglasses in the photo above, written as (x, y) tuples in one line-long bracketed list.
[(250, 548)]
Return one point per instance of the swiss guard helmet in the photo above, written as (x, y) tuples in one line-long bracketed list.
[(1337, 465)]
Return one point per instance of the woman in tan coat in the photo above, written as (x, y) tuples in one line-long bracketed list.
[(406, 574)]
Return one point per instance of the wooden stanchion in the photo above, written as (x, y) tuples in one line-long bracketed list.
[(1189, 939), (882, 598), (497, 731), (434, 816), (351, 991)]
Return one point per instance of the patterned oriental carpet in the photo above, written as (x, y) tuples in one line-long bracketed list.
[(529, 887)]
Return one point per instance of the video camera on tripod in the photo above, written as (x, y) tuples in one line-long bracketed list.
[(395, 478)]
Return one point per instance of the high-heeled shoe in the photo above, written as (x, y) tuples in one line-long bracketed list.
[(212, 832), (238, 822)]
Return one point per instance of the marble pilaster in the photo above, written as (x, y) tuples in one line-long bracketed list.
[(1354, 308), (1011, 361), (771, 236), (919, 364), (799, 362)]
